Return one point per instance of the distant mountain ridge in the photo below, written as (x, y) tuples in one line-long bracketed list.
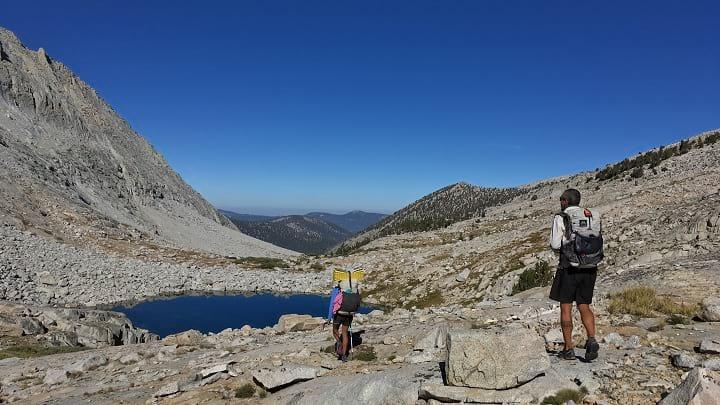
[(353, 221), (313, 233), (246, 217), (454, 203)]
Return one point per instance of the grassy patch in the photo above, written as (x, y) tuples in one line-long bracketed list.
[(365, 353), (317, 266), (439, 257), (431, 299), (246, 390), (261, 262), (563, 396), (538, 276), (644, 301), (25, 351)]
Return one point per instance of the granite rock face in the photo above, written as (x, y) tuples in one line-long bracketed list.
[(70, 165), (75, 327)]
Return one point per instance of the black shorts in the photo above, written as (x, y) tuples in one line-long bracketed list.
[(573, 285), (340, 319)]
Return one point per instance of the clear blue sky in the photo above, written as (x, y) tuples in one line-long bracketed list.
[(289, 106)]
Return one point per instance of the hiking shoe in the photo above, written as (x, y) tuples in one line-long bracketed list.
[(344, 358), (591, 349), (568, 354)]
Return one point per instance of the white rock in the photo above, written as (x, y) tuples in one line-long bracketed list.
[(218, 368), (710, 311), (168, 389), (53, 377), (129, 358), (710, 346), (700, 387), (614, 339), (283, 376)]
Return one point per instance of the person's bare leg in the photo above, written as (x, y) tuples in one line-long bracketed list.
[(566, 324), (588, 319), (345, 339)]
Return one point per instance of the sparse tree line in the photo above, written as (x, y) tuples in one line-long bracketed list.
[(654, 157)]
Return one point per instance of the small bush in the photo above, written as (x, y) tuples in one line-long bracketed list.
[(261, 262), (677, 319), (317, 266), (637, 173), (26, 351), (538, 276), (430, 299), (644, 301), (563, 396), (365, 353), (246, 390)]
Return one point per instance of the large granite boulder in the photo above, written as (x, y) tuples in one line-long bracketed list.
[(397, 385), (494, 359), (532, 392), (278, 378), (700, 387), (188, 338), (296, 323)]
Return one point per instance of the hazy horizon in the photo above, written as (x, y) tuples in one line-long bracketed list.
[(280, 211)]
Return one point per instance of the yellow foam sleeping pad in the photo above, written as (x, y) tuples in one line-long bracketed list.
[(344, 275)]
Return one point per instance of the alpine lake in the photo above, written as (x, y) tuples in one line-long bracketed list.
[(214, 313)]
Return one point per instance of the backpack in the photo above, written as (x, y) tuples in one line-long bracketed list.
[(583, 230), (350, 300)]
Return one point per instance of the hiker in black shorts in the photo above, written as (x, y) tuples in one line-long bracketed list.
[(572, 282), (341, 324)]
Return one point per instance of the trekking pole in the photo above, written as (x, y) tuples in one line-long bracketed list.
[(351, 338)]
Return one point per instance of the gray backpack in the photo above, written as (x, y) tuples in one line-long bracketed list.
[(583, 231)]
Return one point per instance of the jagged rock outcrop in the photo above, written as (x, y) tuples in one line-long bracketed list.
[(72, 327), (70, 166)]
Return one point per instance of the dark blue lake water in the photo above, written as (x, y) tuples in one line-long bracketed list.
[(213, 313)]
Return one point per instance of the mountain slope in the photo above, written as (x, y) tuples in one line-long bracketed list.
[(296, 232), (661, 224), (72, 168), (439, 209), (353, 221)]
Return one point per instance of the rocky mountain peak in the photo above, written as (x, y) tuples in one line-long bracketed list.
[(67, 152)]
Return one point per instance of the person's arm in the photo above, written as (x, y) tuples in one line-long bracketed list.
[(556, 233)]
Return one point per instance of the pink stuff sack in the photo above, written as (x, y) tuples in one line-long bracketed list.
[(337, 303)]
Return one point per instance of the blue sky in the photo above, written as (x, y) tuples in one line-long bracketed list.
[(290, 106)]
